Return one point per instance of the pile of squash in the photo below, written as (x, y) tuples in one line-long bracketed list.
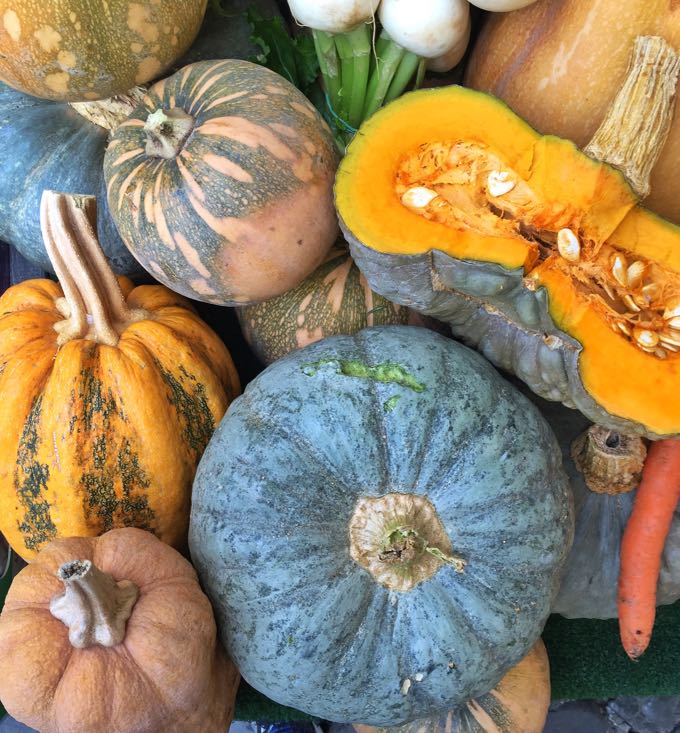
[(377, 529)]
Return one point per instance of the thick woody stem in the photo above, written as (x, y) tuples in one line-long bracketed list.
[(94, 606), (611, 463), (166, 132), (90, 287), (109, 113), (634, 131)]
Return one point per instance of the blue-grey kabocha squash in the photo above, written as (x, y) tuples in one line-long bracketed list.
[(380, 522), (604, 468)]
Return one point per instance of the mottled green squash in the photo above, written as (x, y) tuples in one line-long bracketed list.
[(380, 523), (334, 299)]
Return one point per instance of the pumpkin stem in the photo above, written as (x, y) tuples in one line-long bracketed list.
[(166, 132), (91, 290), (400, 540), (611, 463), (94, 606), (634, 131), (110, 113)]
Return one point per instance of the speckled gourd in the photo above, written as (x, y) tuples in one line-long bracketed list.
[(380, 522)]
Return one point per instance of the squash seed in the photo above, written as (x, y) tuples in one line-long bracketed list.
[(646, 339), (568, 245), (672, 309), (628, 300), (670, 340), (635, 273), (620, 271), (418, 197), (650, 292), (499, 183), (660, 352), (674, 323), (623, 327)]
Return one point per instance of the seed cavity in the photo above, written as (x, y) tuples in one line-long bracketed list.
[(568, 245), (418, 197), (499, 183)]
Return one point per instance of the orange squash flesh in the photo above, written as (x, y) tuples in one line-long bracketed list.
[(570, 191)]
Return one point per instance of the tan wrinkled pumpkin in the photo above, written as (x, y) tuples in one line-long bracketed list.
[(78, 50), (517, 704), (559, 64), (113, 634)]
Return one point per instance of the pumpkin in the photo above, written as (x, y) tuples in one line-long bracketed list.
[(220, 183), (380, 522), (604, 470), (109, 395), (517, 704), (62, 145), (559, 64), (531, 250), (334, 299), (75, 50), (110, 634)]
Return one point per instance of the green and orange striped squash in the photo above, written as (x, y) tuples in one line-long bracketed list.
[(335, 299), (220, 183), (77, 50), (110, 393)]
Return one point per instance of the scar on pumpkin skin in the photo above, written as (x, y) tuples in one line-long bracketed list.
[(387, 372)]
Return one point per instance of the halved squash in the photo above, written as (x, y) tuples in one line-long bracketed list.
[(534, 252)]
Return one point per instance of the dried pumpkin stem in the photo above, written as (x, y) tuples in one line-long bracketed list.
[(611, 463), (94, 606), (166, 132), (634, 131), (90, 287), (109, 113)]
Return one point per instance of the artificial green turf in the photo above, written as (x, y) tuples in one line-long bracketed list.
[(586, 662)]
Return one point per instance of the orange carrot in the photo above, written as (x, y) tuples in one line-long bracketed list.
[(643, 542)]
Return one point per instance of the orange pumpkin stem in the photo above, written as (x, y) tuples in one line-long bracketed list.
[(611, 463), (91, 290), (635, 129), (94, 606), (167, 131)]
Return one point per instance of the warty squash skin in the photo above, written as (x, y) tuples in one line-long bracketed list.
[(138, 655), (517, 704), (499, 273), (77, 51), (380, 522), (559, 63), (220, 183), (102, 426)]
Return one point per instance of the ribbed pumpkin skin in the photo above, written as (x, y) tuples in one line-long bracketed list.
[(559, 63), (517, 704), (588, 588), (94, 437), (76, 50), (48, 145), (335, 299), (280, 480), (245, 211)]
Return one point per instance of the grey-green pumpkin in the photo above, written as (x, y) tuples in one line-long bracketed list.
[(380, 522)]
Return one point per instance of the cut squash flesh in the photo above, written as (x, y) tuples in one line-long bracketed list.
[(455, 172)]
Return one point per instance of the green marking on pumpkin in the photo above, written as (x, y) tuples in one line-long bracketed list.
[(30, 480), (495, 709), (404, 544), (198, 423), (387, 373), (390, 404), (96, 401), (132, 510)]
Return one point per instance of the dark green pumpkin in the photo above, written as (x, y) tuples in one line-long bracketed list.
[(335, 299), (400, 451), (48, 145), (220, 183)]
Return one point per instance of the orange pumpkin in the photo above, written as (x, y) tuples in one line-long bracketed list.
[(77, 50), (110, 394), (111, 634)]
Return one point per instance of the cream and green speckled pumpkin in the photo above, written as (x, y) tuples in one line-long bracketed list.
[(79, 50), (380, 523), (220, 183)]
